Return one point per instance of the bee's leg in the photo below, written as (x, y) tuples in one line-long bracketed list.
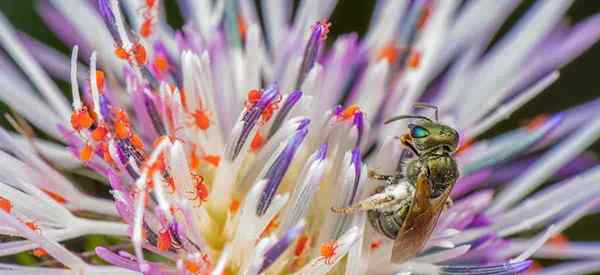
[(376, 176), (449, 202), (390, 197), (379, 200)]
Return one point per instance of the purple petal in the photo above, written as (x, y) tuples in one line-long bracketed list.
[(276, 172), (507, 268), (360, 126), (311, 51), (278, 248), (251, 117), (287, 106), (109, 20)]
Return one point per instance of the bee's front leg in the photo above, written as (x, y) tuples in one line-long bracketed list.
[(389, 178)]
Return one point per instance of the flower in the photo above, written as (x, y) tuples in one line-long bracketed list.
[(224, 148)]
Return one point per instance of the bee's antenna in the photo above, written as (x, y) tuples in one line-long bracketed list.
[(406, 117), (429, 106)]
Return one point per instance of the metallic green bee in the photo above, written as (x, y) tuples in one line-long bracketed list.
[(406, 208)]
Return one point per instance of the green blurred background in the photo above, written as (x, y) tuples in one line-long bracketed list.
[(579, 81)]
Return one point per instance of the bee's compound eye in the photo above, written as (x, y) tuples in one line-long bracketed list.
[(418, 132)]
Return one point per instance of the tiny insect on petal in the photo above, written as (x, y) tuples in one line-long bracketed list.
[(140, 53), (85, 154), (39, 252), (100, 80), (146, 28), (212, 159), (164, 240), (414, 60), (121, 53), (257, 142), (100, 133), (137, 142), (389, 52), (5, 205), (234, 206), (55, 196), (349, 111), (301, 245)]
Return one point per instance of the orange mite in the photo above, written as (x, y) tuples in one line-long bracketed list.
[(191, 266), (55, 196), (200, 119), (106, 153), (257, 142), (414, 60), (349, 111), (234, 206), (253, 98), (86, 153), (139, 52), (137, 142), (212, 159), (81, 119), (267, 113), (389, 52), (150, 3), (121, 53), (146, 28), (164, 241), (328, 251), (39, 252), (100, 133), (100, 80), (160, 64), (375, 244), (271, 226), (301, 245), (33, 226), (5, 205), (200, 189)]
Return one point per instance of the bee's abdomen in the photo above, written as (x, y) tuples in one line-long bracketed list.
[(386, 223)]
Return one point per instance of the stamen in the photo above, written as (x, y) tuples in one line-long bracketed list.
[(109, 20), (249, 119), (276, 172), (74, 84), (278, 248), (94, 87), (319, 34), (360, 126), (154, 114), (289, 103)]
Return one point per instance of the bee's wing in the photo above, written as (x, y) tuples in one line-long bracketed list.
[(419, 222)]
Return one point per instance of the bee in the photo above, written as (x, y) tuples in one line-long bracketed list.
[(406, 208)]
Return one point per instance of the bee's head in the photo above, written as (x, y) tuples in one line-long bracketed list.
[(427, 135)]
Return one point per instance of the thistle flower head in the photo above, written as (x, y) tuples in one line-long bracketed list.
[(226, 144)]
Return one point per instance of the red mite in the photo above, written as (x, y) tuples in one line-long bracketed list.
[(328, 251), (200, 189)]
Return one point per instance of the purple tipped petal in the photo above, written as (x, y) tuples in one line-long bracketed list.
[(508, 268), (277, 170), (312, 50), (287, 106), (251, 117), (109, 19), (360, 126), (117, 260), (357, 163), (322, 153), (278, 248), (154, 114)]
